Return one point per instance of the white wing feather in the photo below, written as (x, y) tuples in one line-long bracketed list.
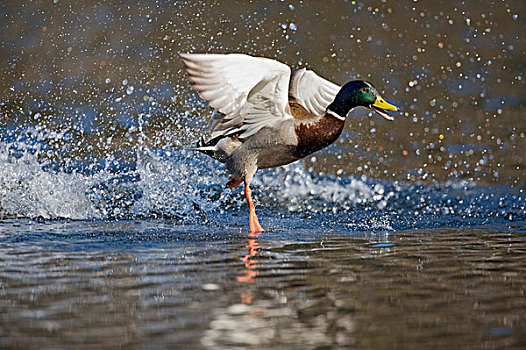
[(252, 92), (225, 81), (312, 91), (261, 109)]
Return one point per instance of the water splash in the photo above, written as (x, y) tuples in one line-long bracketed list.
[(188, 187), (28, 190)]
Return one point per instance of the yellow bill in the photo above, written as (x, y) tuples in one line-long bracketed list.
[(380, 106)]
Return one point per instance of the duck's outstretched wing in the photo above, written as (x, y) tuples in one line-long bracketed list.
[(249, 92), (312, 91)]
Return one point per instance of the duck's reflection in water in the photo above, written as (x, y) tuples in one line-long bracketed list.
[(257, 320), (250, 260), (250, 272)]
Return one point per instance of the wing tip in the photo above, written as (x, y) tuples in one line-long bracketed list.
[(191, 57), (185, 56)]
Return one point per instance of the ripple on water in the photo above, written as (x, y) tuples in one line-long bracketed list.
[(78, 283)]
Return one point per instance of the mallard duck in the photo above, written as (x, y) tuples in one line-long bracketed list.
[(266, 117)]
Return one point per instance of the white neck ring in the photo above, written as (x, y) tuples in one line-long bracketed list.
[(336, 115)]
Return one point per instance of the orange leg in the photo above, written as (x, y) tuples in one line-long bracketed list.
[(233, 182), (255, 227)]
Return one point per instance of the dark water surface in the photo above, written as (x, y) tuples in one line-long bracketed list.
[(154, 284), (404, 234)]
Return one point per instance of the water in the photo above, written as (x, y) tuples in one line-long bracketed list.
[(401, 235), (153, 283)]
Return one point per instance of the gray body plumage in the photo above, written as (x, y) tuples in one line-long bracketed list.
[(267, 149)]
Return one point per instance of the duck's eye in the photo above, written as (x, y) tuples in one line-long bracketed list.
[(366, 90)]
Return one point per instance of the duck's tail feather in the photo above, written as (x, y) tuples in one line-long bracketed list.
[(202, 149), (204, 146)]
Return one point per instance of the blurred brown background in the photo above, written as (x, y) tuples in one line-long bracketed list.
[(107, 75)]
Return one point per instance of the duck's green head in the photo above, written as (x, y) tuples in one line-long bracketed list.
[(361, 93)]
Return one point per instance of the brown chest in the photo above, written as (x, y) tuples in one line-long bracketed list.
[(317, 134)]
